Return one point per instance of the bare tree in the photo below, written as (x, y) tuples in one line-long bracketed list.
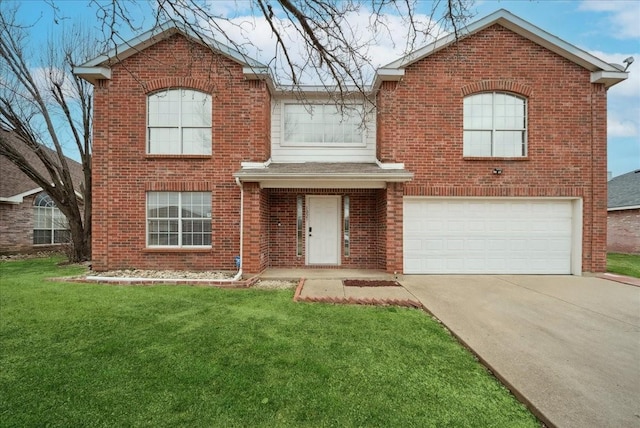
[(321, 41), (44, 105)]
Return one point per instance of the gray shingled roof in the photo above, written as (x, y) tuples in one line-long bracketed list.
[(624, 190), (15, 182)]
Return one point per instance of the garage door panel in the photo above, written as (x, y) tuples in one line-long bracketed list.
[(487, 236)]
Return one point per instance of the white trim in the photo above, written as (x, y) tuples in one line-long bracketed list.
[(608, 78), (389, 165), (162, 31), (576, 237), (629, 207), (255, 165), (525, 29), (93, 74), (292, 183), (19, 198)]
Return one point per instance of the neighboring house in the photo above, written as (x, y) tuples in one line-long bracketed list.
[(29, 219), (485, 155), (623, 220)]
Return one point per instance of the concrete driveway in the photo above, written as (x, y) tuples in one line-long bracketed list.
[(569, 346)]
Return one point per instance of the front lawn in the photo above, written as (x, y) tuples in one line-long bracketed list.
[(624, 264), (105, 356)]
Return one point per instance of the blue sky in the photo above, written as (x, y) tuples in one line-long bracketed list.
[(608, 29)]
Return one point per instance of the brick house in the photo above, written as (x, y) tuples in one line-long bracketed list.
[(29, 219), (623, 213), (483, 155)]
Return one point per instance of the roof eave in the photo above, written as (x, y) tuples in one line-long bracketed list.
[(608, 78), (161, 32), (246, 176), (623, 208), (93, 74), (518, 26)]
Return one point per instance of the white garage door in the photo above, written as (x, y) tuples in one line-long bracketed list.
[(490, 236)]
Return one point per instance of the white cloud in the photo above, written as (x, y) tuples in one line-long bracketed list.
[(380, 43), (624, 16), (617, 127)]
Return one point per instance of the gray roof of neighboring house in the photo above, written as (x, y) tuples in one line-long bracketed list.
[(624, 190), (15, 183)]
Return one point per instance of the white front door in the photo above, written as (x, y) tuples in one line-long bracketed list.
[(323, 230)]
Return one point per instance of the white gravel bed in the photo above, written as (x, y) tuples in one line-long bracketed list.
[(164, 274)]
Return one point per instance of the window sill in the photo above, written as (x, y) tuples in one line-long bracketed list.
[(176, 156), (176, 250), (492, 159)]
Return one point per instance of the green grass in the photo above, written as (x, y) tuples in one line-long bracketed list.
[(624, 264), (103, 356)]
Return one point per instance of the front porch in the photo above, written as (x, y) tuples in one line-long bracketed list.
[(322, 215)]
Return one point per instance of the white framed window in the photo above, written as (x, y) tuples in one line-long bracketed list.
[(495, 125), (322, 125), (178, 219), (179, 122), (50, 226)]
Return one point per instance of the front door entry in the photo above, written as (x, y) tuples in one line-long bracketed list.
[(323, 230)]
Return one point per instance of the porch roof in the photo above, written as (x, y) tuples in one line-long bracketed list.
[(323, 175)]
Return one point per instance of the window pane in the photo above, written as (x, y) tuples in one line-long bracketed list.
[(477, 143), (42, 236), (164, 109), (61, 236), (196, 109), (317, 124), (508, 143), (164, 141), (196, 141)]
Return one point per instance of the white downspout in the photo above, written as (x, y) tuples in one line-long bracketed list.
[(239, 274)]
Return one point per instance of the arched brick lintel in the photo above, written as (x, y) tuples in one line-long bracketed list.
[(180, 82), (497, 85)]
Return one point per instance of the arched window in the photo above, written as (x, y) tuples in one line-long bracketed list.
[(50, 226), (179, 122), (495, 125)]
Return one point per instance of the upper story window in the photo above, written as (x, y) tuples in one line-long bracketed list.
[(322, 124), (495, 125), (179, 122), (50, 226)]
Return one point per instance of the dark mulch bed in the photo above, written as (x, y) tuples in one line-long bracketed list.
[(370, 283)]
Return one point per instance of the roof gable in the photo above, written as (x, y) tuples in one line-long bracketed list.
[(15, 184), (601, 71), (98, 68), (623, 191)]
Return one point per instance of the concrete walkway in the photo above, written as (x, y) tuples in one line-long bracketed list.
[(567, 346)]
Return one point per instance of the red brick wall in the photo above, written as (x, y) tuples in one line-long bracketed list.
[(623, 231), (420, 123), (16, 226), (123, 173)]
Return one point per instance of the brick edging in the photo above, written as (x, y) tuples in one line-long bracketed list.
[(354, 300)]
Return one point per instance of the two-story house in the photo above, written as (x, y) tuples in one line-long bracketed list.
[(482, 154)]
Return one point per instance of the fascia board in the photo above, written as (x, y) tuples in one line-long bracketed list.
[(19, 198), (400, 177), (608, 78), (149, 38), (630, 207), (93, 74), (518, 26)]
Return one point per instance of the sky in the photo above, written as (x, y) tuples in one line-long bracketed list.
[(607, 29)]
